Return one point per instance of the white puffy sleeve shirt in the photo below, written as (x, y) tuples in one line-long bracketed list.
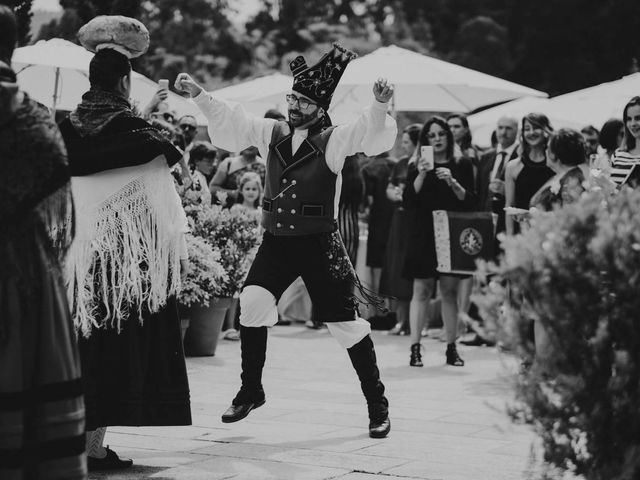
[(232, 129)]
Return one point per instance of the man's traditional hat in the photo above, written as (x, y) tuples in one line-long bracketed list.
[(319, 81)]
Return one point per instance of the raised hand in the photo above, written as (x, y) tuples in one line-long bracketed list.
[(185, 83), (382, 90)]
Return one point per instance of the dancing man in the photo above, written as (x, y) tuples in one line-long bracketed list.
[(304, 158)]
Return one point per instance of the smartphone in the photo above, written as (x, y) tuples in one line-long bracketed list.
[(163, 84), (426, 153)]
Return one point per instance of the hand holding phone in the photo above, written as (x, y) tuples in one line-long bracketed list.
[(426, 162)]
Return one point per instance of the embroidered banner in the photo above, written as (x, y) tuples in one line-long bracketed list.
[(462, 238)]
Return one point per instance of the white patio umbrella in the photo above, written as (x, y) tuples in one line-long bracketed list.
[(259, 94), (421, 84), (56, 73), (424, 83), (483, 124), (590, 106)]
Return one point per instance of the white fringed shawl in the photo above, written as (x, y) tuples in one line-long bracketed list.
[(125, 258)]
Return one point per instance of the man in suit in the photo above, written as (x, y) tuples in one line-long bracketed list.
[(491, 170)]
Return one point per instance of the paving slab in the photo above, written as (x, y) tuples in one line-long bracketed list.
[(447, 423)]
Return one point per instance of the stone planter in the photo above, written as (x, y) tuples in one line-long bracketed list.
[(201, 338)]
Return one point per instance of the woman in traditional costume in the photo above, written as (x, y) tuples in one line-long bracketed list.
[(123, 269), (41, 406)]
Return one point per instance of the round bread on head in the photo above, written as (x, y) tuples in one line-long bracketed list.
[(123, 34)]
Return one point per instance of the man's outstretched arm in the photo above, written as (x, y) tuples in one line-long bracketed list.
[(229, 126), (373, 132)]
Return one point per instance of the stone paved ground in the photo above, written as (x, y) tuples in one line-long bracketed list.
[(447, 423)]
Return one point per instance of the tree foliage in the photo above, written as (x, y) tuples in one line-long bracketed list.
[(553, 46), (22, 10)]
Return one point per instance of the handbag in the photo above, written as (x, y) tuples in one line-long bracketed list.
[(462, 238)]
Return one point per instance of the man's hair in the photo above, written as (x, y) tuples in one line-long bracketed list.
[(590, 130), (609, 134), (107, 67), (201, 150), (465, 142), (8, 34), (568, 146), (413, 131)]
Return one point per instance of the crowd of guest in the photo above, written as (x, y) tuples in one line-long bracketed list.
[(390, 201)]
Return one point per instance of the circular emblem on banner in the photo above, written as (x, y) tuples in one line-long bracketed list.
[(471, 241)]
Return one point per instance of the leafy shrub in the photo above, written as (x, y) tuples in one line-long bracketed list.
[(577, 270)]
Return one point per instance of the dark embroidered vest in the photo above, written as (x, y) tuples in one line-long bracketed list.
[(300, 189)]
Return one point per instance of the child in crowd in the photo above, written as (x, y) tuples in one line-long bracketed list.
[(248, 198), (250, 191)]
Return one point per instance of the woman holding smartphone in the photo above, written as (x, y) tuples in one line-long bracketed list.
[(436, 181)]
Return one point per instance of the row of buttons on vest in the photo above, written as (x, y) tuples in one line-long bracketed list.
[(293, 195), (280, 210)]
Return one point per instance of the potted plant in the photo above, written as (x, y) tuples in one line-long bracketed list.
[(199, 295), (235, 234), (576, 271)]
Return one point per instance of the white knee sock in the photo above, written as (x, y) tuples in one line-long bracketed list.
[(94, 443)]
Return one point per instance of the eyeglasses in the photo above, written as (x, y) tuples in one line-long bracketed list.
[(187, 127), (301, 102)]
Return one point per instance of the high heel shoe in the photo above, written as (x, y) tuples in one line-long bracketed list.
[(416, 357), (452, 356)]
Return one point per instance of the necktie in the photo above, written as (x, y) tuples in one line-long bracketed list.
[(501, 165)]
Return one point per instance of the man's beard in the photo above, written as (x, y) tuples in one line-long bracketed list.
[(300, 118)]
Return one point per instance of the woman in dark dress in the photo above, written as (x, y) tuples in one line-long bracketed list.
[(448, 186), (124, 266), (351, 198), (526, 174), (376, 177), (41, 405), (393, 283)]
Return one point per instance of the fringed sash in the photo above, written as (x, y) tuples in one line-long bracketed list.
[(125, 257)]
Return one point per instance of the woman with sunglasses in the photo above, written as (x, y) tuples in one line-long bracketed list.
[(445, 185)]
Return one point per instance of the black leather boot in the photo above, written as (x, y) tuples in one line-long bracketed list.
[(363, 359), (251, 395)]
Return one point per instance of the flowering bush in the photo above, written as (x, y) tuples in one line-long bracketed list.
[(235, 234), (205, 276), (577, 271)]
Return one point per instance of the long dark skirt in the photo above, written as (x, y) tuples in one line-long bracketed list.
[(393, 283), (41, 407), (137, 377)]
